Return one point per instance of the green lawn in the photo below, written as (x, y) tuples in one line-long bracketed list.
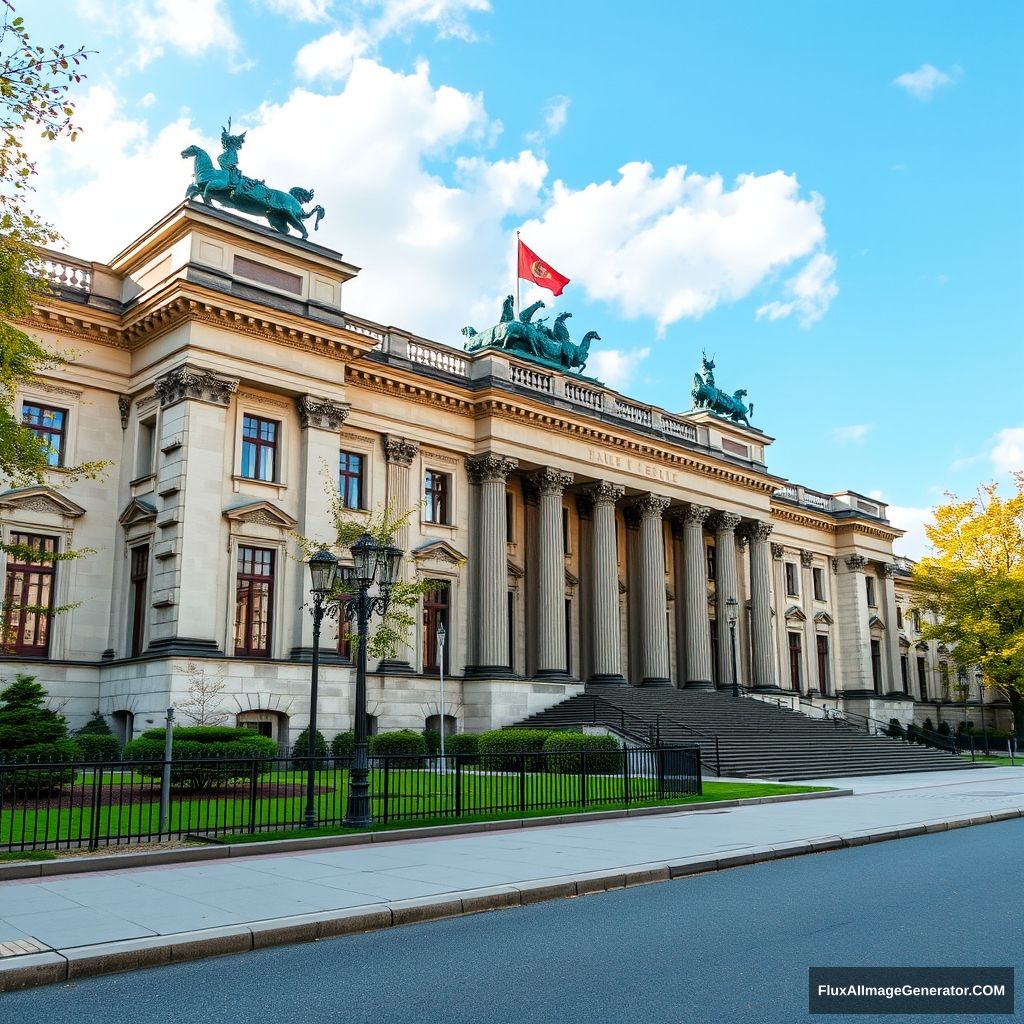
[(1016, 762)]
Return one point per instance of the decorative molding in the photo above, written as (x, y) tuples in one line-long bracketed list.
[(489, 467), (778, 551), (651, 506), (856, 563), (550, 481), (835, 565), (889, 569), (260, 513), (795, 612), (874, 622), (251, 396), (515, 571), (124, 407), (138, 510), (323, 413), (726, 522), (399, 450), (184, 382), (604, 493), (439, 551), (807, 559), (823, 618), (571, 580), (696, 514), (40, 498)]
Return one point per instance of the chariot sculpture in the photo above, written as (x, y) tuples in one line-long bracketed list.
[(228, 186), (706, 395)]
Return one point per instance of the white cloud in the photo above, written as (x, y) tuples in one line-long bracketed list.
[(300, 10), (555, 114), (614, 366), (676, 246), (148, 100), (853, 433), (812, 290), (923, 82), (333, 55), (914, 544), (1008, 452)]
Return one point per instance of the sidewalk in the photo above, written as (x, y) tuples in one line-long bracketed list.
[(58, 928)]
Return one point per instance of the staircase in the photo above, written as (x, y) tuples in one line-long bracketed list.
[(754, 739)]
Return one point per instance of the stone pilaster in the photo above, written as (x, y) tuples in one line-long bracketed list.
[(762, 669), (550, 485), (699, 672), (488, 472), (607, 658), (813, 683), (887, 577), (780, 604), (654, 666), (726, 586), (853, 632)]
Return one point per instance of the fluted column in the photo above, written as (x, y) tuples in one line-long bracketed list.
[(763, 676), (399, 454), (892, 632), (698, 622), (725, 587), (810, 633), (487, 472), (607, 658), (853, 630), (550, 485), (654, 669)]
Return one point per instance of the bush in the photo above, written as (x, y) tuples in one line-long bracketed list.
[(894, 728), (96, 726), (399, 742), (566, 750), (465, 743), (95, 746), (943, 729), (432, 738), (203, 734), (34, 782), (300, 749), (343, 746), (928, 725), (499, 747), (25, 721)]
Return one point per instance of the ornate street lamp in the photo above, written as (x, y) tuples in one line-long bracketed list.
[(380, 564), (732, 604), (323, 570), (441, 637), (980, 680)]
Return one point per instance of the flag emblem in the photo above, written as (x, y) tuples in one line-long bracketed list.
[(533, 268)]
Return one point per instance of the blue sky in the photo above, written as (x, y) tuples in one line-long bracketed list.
[(825, 196)]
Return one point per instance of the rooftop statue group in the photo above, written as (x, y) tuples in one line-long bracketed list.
[(551, 346), (231, 188), (706, 395)]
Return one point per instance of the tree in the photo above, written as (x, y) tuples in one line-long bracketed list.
[(25, 721), (205, 696), (974, 586)]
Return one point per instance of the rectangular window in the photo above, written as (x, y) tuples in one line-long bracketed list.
[(792, 584), (795, 650), (254, 594), (899, 617), (823, 673), (944, 679), (876, 665), (28, 594), (869, 583), (350, 479), (905, 672), (49, 426), (712, 562), (917, 621), (435, 490), (344, 628), (145, 456), (139, 593), (435, 611), (259, 448), (818, 576), (922, 677)]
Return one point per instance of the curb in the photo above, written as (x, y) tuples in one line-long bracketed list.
[(53, 967), (221, 851)]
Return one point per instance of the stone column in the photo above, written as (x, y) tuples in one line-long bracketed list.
[(892, 633), (725, 587), (854, 633), (780, 603), (487, 472), (813, 683), (679, 578), (607, 659), (585, 517), (762, 658), (698, 622), (550, 485), (654, 668), (399, 454)]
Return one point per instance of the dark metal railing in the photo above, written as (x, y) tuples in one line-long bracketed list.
[(96, 804)]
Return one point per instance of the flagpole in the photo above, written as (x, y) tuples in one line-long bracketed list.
[(517, 274)]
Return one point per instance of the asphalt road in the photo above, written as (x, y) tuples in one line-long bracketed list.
[(727, 947)]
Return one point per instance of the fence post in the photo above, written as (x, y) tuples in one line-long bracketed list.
[(165, 778), (386, 764), (252, 798), (522, 782), (458, 785), (583, 778), (94, 821), (625, 774)]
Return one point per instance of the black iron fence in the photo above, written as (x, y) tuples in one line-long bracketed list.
[(92, 804)]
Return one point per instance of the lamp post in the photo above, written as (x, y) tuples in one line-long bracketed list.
[(980, 679), (379, 564), (732, 604), (323, 570), (964, 688), (441, 637)]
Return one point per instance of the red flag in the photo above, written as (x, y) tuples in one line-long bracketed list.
[(533, 268)]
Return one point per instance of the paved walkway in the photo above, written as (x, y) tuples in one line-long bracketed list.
[(93, 922)]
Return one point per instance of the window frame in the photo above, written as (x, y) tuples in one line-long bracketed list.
[(45, 433), (818, 582), (347, 475), (432, 610), (437, 499), (792, 579), (869, 589), (260, 444), (39, 570), (248, 650), (138, 581)]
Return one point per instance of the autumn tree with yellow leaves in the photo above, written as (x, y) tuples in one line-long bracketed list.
[(974, 585)]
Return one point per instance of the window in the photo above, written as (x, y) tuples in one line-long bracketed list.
[(922, 676), (260, 728), (712, 562), (145, 455), (876, 664), (869, 583), (917, 621), (344, 628), (818, 576), (28, 594), (49, 426), (350, 479), (139, 579), (511, 615), (510, 533), (435, 611), (905, 672), (259, 448), (792, 584), (568, 636), (795, 650), (823, 674), (435, 490), (899, 617), (565, 531), (254, 592)]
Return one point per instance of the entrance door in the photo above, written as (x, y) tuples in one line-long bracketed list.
[(795, 651)]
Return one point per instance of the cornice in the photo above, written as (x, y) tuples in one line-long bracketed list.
[(801, 518)]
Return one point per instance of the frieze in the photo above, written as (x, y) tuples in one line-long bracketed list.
[(321, 412), (399, 450), (186, 382), (489, 467), (251, 396)]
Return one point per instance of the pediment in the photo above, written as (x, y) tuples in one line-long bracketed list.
[(824, 618), (622, 587), (904, 642), (796, 612), (876, 623), (570, 580), (260, 513), (515, 571), (922, 646), (41, 498), (138, 510), (438, 551), (670, 594)]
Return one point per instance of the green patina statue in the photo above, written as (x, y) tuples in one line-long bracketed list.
[(548, 346), (707, 396), (233, 189)]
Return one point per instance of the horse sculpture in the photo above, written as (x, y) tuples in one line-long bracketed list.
[(229, 187), (706, 395)]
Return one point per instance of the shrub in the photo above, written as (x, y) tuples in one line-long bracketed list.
[(928, 725), (465, 743), (499, 747), (34, 782), (566, 750), (401, 741), (432, 738), (943, 729), (894, 728), (96, 726), (25, 721), (300, 749), (95, 746), (343, 746)]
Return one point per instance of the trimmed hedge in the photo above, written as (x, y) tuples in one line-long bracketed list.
[(398, 742), (432, 738), (499, 748), (465, 743), (300, 749), (343, 746), (96, 746), (603, 753), (43, 781)]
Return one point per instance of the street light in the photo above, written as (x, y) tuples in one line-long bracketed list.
[(441, 637), (980, 680), (323, 569), (732, 604), (378, 563), (964, 688)]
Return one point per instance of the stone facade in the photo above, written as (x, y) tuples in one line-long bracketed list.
[(582, 536)]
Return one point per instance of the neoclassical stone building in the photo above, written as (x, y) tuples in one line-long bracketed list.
[(578, 535)]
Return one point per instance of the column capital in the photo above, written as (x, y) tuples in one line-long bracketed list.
[(888, 569), (856, 563), (691, 514), (807, 559), (757, 530), (399, 450), (604, 493), (489, 467), (651, 506), (726, 522), (550, 481), (193, 382), (778, 551), (320, 412)]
